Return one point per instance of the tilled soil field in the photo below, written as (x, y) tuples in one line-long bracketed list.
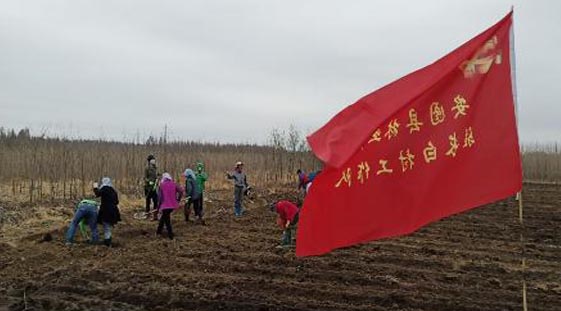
[(466, 262)]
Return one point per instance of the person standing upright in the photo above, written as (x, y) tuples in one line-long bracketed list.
[(151, 185), (201, 177), (240, 184), (194, 195), (108, 214), (170, 195)]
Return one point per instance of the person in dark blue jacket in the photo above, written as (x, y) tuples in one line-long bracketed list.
[(193, 194)]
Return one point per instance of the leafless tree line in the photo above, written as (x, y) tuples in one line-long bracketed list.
[(41, 168), (542, 162)]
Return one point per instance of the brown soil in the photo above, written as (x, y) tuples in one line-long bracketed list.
[(470, 261)]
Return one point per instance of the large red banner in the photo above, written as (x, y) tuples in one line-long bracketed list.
[(434, 143)]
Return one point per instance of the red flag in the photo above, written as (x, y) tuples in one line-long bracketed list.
[(436, 142)]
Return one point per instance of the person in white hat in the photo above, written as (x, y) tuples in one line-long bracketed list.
[(240, 184)]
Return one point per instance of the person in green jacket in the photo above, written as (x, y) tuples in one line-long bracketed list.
[(201, 177)]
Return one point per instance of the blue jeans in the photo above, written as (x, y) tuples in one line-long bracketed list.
[(238, 198), (88, 212)]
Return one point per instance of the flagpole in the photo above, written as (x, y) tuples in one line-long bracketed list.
[(519, 194), (523, 242)]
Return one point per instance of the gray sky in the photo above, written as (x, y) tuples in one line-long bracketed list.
[(231, 71)]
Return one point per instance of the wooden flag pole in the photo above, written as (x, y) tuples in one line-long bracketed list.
[(522, 241), (519, 194), (520, 207)]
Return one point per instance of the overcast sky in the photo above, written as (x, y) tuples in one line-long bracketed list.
[(231, 71)]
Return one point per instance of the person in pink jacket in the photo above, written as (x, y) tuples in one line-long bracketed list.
[(169, 194)]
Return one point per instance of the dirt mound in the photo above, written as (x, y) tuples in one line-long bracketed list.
[(470, 261)]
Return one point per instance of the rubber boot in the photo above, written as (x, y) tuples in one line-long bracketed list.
[(107, 242), (187, 212)]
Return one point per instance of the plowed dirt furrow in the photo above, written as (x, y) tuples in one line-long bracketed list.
[(466, 262)]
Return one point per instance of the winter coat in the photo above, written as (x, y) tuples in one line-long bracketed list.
[(302, 180), (150, 178), (287, 210), (192, 188), (240, 180), (169, 194), (108, 209), (201, 179), (201, 176)]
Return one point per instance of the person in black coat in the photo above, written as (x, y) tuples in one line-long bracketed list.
[(108, 214)]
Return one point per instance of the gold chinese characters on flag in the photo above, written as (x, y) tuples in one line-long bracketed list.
[(405, 160)]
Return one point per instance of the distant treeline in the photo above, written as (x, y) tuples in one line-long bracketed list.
[(542, 162), (38, 167)]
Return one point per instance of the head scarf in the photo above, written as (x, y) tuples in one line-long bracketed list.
[(106, 182), (166, 176), (189, 173), (200, 166)]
